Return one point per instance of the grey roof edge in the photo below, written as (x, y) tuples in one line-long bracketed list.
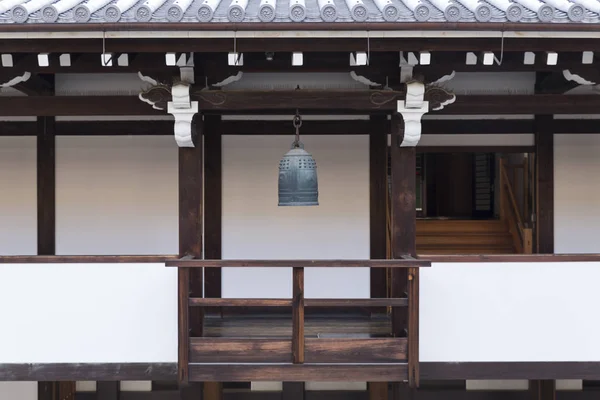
[(301, 14)]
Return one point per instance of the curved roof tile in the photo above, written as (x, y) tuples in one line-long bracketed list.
[(328, 11)]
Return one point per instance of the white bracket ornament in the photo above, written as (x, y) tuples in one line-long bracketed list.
[(412, 110), (183, 110)]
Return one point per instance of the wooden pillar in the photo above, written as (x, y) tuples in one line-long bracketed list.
[(293, 391), (190, 244), (378, 192), (544, 146), (46, 186), (542, 390), (107, 391), (404, 219), (213, 204), (544, 157), (212, 222)]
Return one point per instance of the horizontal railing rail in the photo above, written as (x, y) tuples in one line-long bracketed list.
[(510, 258), (88, 259), (407, 262)]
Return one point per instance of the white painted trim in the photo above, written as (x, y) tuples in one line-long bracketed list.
[(296, 34)]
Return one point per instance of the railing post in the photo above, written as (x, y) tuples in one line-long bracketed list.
[(183, 296), (413, 327), (298, 316)]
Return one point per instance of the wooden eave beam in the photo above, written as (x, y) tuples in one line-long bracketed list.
[(334, 127), (208, 45)]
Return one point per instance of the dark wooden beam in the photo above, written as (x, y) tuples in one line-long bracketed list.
[(88, 371), (378, 195), (84, 259), (299, 372), (544, 141), (309, 127), (402, 262), (358, 102), (208, 45), (509, 370), (213, 203), (298, 315)]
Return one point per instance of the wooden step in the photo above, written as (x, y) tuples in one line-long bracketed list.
[(463, 226), (470, 239)]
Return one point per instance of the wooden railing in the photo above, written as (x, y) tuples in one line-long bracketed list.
[(510, 213), (375, 359)]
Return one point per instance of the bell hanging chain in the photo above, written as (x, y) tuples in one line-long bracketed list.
[(297, 124)]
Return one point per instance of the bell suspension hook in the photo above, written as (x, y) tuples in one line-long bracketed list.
[(297, 124)]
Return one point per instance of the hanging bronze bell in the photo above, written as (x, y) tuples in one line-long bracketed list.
[(298, 184)]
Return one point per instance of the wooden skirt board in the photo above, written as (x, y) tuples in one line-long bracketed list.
[(268, 326), (334, 347)]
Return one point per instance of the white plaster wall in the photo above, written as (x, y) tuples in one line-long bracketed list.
[(576, 193), (116, 195), (508, 311), (18, 196), (18, 390), (87, 313), (254, 227)]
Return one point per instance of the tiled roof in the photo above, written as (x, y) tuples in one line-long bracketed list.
[(325, 11)]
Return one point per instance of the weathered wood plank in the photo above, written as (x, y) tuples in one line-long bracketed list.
[(88, 371), (384, 302), (86, 259), (298, 315), (413, 326), (342, 350), (378, 390), (206, 302), (398, 263), (299, 372), (231, 350)]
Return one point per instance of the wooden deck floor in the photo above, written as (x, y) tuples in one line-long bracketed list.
[(267, 326)]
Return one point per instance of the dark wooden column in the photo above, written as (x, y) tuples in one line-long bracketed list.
[(46, 186), (404, 219), (190, 244), (107, 391), (544, 156), (544, 147), (378, 193), (213, 203), (212, 221), (542, 390)]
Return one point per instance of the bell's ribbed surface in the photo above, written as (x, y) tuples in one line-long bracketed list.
[(298, 184)]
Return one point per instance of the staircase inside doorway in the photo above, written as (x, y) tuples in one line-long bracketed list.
[(444, 236)]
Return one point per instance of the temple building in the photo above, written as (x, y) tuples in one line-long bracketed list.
[(299, 199)]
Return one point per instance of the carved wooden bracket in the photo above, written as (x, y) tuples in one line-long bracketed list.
[(412, 109), (438, 97), (183, 109), (16, 80)]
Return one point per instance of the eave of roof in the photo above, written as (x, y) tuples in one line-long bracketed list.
[(301, 14)]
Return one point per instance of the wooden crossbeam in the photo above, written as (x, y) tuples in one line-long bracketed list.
[(253, 102)]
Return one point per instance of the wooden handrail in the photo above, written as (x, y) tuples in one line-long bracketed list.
[(117, 259), (400, 263), (510, 258)]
